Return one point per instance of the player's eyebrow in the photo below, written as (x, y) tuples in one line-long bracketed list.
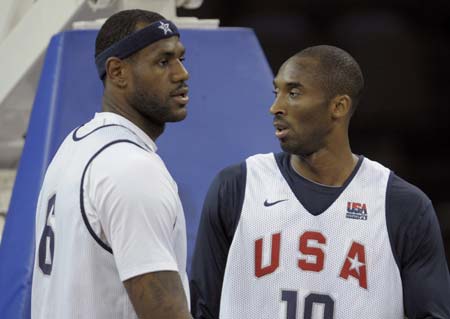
[(290, 85), (171, 53), (166, 54)]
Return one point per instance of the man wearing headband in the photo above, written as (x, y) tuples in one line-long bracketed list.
[(110, 228)]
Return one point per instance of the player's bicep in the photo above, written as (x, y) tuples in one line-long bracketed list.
[(158, 295)]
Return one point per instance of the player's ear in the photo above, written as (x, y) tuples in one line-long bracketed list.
[(116, 71), (341, 106)]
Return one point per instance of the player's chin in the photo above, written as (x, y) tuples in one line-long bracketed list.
[(287, 146), (284, 142), (179, 113)]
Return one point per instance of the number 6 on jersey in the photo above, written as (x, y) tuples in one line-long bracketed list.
[(47, 242)]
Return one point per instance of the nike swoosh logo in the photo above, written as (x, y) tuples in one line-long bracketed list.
[(267, 204)]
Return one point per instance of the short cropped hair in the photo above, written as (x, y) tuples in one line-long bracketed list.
[(339, 72), (120, 25)]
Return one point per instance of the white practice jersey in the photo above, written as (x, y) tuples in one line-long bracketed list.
[(285, 263), (108, 210)]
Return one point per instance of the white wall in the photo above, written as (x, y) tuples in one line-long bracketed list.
[(7, 177)]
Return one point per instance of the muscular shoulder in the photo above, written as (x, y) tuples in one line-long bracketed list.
[(122, 159), (132, 172)]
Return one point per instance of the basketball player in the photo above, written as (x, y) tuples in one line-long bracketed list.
[(316, 231), (110, 229)]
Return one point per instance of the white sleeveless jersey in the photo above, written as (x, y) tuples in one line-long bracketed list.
[(75, 276), (285, 263)]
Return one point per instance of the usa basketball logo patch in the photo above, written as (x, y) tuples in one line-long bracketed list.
[(356, 211)]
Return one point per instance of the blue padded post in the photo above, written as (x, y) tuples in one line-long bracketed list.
[(228, 120)]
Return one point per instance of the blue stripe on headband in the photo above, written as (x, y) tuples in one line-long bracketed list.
[(136, 41)]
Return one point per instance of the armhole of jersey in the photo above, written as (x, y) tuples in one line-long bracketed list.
[(389, 221), (83, 211), (241, 195)]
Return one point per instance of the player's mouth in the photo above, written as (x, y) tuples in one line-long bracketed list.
[(181, 95), (281, 129)]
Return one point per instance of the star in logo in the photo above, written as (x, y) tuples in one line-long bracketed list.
[(165, 27), (355, 263)]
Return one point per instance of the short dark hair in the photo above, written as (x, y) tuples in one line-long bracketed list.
[(120, 25), (339, 71)]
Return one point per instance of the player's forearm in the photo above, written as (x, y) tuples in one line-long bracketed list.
[(158, 295)]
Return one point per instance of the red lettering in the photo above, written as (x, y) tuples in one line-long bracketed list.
[(314, 251), (355, 265), (274, 257)]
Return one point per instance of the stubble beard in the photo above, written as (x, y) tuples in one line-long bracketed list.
[(151, 107)]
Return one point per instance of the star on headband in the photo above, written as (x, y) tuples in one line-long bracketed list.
[(165, 27)]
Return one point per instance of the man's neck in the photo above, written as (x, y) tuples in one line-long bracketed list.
[(326, 166), (110, 104)]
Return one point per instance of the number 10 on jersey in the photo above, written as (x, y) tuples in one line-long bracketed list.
[(290, 299)]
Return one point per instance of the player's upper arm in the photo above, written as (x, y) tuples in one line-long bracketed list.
[(137, 203), (158, 295), (417, 245), (220, 215)]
